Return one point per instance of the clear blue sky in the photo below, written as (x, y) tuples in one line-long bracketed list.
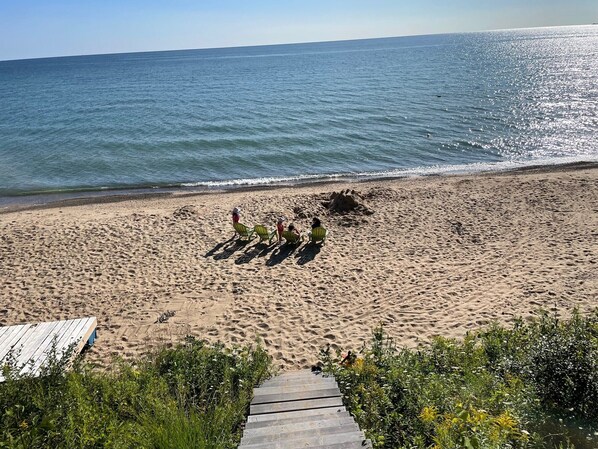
[(38, 28)]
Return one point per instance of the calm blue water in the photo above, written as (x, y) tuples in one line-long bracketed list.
[(237, 116)]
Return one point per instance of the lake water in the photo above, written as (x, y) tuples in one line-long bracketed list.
[(302, 112)]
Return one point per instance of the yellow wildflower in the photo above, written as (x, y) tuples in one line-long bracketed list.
[(358, 365), (428, 414), (505, 421)]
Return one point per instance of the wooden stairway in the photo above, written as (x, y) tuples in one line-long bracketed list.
[(300, 410)]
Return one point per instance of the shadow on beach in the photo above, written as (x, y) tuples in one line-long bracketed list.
[(226, 249), (280, 254), (308, 252), (260, 249)]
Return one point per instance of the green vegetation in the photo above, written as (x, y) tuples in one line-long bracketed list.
[(195, 395), (532, 386)]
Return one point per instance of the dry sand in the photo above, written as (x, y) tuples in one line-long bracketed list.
[(439, 256)]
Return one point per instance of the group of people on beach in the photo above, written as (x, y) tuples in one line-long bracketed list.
[(316, 223)]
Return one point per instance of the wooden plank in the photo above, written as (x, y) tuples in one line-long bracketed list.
[(363, 444), (296, 373), (277, 428), (260, 409), (34, 341), (58, 333), (91, 326), (290, 382), (314, 441), (11, 337), (30, 341), (291, 388), (300, 434), (299, 410), (17, 347), (73, 334), (40, 354), (299, 395), (302, 374), (21, 345), (295, 414), (297, 419), (77, 331), (39, 334), (72, 327), (3, 329), (310, 379)]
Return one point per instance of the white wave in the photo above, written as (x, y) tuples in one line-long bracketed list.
[(455, 169)]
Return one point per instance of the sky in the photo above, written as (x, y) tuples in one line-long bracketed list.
[(44, 28)]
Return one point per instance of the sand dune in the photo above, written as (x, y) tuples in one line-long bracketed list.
[(439, 256)]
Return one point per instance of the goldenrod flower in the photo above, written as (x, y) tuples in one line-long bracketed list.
[(505, 421), (428, 414)]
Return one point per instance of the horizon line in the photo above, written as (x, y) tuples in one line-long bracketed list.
[(288, 43)]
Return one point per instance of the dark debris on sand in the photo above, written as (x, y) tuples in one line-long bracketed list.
[(185, 212), (347, 201)]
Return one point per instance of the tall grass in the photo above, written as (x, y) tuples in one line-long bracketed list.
[(531, 386), (194, 395)]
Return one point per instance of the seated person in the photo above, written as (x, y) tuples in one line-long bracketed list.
[(293, 229), (280, 228), (316, 223)]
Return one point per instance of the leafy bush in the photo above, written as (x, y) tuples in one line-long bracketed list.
[(497, 388), (194, 395)]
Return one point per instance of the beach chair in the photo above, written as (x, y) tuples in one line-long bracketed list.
[(245, 233), (263, 233), (317, 235), (292, 238)]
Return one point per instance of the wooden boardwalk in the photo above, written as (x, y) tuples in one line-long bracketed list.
[(300, 410), (30, 344)]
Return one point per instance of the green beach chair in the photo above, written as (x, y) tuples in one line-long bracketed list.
[(292, 238), (263, 233), (245, 233), (317, 235)]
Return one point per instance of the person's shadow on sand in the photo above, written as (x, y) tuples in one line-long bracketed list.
[(260, 249), (280, 254), (227, 248), (308, 253), (217, 247)]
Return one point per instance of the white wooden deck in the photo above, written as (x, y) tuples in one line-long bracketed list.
[(300, 410), (30, 344)]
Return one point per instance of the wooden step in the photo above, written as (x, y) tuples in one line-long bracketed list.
[(295, 414), (296, 396), (277, 428), (293, 388), (277, 407), (300, 410), (312, 441), (298, 380), (301, 434)]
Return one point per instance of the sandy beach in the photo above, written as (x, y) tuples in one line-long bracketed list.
[(438, 256)]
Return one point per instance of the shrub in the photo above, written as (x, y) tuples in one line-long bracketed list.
[(497, 388), (194, 395)]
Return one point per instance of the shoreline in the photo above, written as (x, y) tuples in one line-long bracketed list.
[(439, 255), (80, 198)]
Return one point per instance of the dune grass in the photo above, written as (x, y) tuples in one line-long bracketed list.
[(194, 395)]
